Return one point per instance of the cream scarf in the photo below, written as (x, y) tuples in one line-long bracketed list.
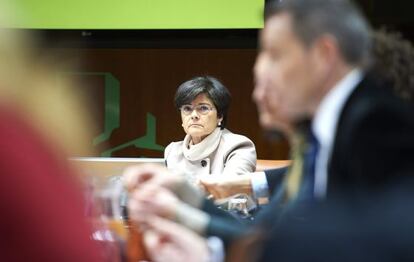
[(202, 149)]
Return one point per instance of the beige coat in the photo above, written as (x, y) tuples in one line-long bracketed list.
[(222, 152)]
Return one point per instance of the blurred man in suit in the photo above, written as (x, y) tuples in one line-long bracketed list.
[(393, 57)]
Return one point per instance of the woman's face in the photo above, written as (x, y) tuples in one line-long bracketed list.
[(199, 118)]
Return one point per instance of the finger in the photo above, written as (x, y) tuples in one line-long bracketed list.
[(163, 226), (159, 247), (139, 208), (145, 191), (136, 212), (134, 176)]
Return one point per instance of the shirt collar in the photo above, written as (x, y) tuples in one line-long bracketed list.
[(327, 115)]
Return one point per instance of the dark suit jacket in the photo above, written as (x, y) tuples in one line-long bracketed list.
[(374, 142), (375, 227), (275, 178), (373, 149)]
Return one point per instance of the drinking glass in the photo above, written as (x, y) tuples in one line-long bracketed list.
[(106, 208)]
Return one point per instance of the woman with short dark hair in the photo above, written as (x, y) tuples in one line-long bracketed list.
[(208, 147)]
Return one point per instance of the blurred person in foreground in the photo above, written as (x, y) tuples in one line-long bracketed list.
[(41, 123), (315, 54)]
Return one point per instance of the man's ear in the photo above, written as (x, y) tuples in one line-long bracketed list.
[(326, 54)]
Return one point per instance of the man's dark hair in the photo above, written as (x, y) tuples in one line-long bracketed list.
[(339, 18)]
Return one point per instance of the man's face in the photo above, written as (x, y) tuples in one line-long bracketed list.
[(284, 73)]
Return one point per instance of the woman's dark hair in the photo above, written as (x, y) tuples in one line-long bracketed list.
[(213, 88)]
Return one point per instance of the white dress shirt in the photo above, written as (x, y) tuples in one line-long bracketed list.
[(324, 125)]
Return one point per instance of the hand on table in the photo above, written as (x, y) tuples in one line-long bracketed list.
[(226, 186), (170, 242)]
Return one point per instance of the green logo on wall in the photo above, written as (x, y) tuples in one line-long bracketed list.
[(112, 118), (148, 141)]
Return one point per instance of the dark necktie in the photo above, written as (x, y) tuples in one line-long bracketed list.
[(309, 161)]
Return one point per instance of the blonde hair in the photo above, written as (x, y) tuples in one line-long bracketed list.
[(38, 90)]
